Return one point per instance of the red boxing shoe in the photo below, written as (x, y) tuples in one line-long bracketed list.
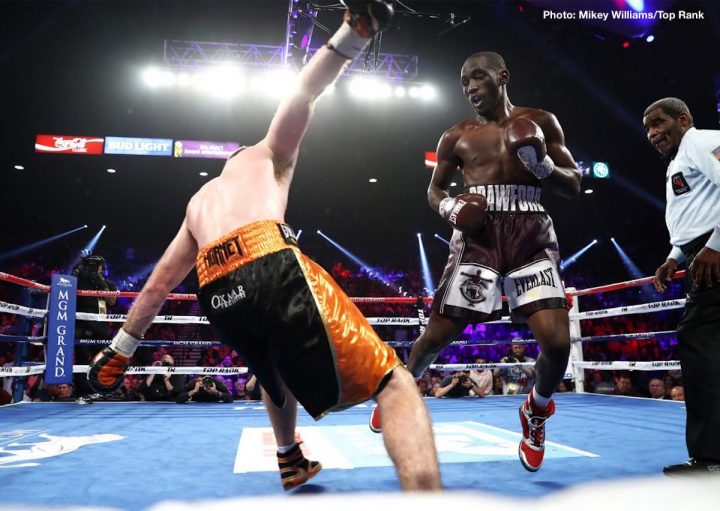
[(532, 445), (375, 424)]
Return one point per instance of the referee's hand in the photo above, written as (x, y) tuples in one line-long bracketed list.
[(664, 274), (705, 268)]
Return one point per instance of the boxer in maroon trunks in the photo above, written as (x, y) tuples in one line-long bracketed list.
[(503, 237)]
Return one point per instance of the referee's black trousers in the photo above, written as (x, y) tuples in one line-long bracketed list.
[(699, 351)]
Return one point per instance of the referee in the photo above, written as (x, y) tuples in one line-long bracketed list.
[(693, 220)]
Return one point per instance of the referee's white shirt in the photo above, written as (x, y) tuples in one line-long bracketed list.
[(692, 188)]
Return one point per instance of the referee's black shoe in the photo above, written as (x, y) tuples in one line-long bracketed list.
[(692, 468)]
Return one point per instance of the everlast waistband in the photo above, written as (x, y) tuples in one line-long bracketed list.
[(510, 198), (242, 246)]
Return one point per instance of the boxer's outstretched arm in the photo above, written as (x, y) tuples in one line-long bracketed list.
[(293, 115), (444, 170), (173, 267), (565, 178)]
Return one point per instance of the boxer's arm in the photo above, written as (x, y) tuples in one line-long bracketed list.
[(173, 267), (293, 115), (565, 178), (444, 170)]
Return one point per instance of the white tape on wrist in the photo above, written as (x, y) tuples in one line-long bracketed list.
[(124, 343), (443, 206), (544, 168), (347, 42)]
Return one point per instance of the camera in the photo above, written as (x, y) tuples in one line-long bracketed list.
[(463, 378), (207, 382)]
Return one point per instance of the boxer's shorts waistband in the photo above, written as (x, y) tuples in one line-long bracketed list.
[(510, 198), (242, 246)]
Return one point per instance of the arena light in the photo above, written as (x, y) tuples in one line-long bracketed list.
[(203, 173), (136, 278), (274, 83), (32, 246), (634, 271), (400, 92), (601, 169), (428, 92), (19, 167), (111, 171), (372, 180), (154, 77), (650, 38), (90, 247), (573, 258), (636, 5), (589, 191), (630, 265), (372, 272), (297, 236), (224, 81), (425, 266), (184, 80), (442, 239), (364, 87)]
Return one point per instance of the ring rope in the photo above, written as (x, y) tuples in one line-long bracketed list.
[(39, 369), (621, 285), (590, 338)]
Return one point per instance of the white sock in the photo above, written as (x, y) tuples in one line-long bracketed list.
[(538, 400), (282, 449)]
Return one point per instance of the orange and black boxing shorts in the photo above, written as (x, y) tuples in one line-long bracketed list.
[(289, 320)]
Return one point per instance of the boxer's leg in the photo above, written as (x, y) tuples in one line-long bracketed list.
[(408, 434)]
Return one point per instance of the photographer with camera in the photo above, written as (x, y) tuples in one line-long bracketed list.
[(459, 384), (162, 387), (89, 271), (205, 389)]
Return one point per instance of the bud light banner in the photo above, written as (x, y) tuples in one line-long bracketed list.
[(61, 329), (204, 149), (68, 144), (138, 146)]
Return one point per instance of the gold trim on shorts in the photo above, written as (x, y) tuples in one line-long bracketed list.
[(242, 246)]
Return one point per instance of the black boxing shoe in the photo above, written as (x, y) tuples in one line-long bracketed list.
[(692, 468)]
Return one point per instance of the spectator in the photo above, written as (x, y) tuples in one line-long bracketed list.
[(483, 378), (624, 385), (63, 392), (162, 387), (518, 379), (89, 272), (459, 384), (205, 389), (252, 389), (656, 388), (677, 393)]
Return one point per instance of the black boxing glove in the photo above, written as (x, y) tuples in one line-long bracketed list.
[(465, 212), (368, 17), (363, 20), (525, 139)]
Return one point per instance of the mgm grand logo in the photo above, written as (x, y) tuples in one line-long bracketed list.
[(473, 287)]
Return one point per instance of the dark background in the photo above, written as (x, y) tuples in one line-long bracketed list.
[(73, 68)]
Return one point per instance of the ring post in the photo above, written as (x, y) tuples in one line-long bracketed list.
[(576, 347)]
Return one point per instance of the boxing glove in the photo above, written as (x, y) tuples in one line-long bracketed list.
[(525, 139), (465, 212), (107, 370), (368, 17)]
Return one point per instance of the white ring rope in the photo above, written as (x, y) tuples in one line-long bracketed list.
[(22, 310), (39, 369), (631, 309)]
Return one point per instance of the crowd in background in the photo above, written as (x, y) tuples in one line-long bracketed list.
[(486, 342)]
